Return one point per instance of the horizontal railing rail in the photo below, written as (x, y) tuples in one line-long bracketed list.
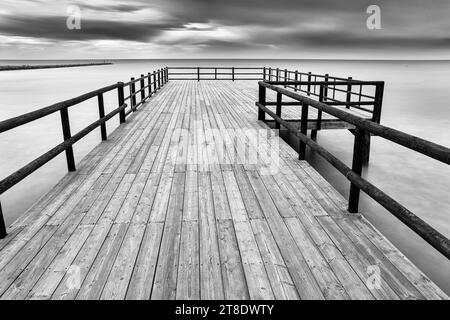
[(216, 73), (354, 174), (148, 85)]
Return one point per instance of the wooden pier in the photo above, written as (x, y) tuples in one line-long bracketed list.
[(171, 205)]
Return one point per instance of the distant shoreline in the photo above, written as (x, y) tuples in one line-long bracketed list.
[(50, 66)]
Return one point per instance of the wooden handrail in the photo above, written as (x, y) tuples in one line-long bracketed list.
[(70, 139), (420, 145), (11, 123), (428, 148)]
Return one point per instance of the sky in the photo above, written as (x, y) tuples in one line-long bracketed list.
[(199, 29)]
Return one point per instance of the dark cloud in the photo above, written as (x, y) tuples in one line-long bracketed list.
[(260, 24), (55, 28), (112, 7)]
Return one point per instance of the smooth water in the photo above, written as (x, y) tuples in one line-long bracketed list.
[(415, 101)]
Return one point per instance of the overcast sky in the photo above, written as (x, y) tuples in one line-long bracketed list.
[(410, 29)]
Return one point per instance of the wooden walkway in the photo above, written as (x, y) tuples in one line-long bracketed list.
[(152, 213)]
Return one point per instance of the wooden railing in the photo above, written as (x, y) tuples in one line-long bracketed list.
[(327, 88), (353, 174), (215, 73), (333, 90), (148, 85)]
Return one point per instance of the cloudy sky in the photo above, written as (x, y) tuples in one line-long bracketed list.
[(410, 29)]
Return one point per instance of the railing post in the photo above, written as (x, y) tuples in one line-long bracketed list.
[(323, 94), (278, 75), (285, 76), (232, 72), (262, 100), (215, 73), (296, 79), (159, 79), (142, 88), (121, 99), (67, 135), (309, 84), (132, 94), (3, 232), (149, 75), (155, 82), (303, 130), (278, 110), (101, 114), (319, 114), (264, 73), (167, 74), (358, 148), (349, 94), (270, 74), (378, 101), (198, 74)]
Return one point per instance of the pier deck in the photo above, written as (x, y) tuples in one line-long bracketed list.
[(149, 215)]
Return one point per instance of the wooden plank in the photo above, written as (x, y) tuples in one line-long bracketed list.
[(234, 280), (165, 283), (97, 276), (280, 279), (190, 209), (235, 200), (117, 283), (304, 280), (251, 202), (210, 275), (221, 207), (188, 280), (141, 281), (53, 275), (329, 284)]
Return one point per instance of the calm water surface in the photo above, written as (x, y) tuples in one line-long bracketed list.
[(416, 101)]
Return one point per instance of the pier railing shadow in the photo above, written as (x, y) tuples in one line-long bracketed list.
[(148, 85), (363, 129)]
